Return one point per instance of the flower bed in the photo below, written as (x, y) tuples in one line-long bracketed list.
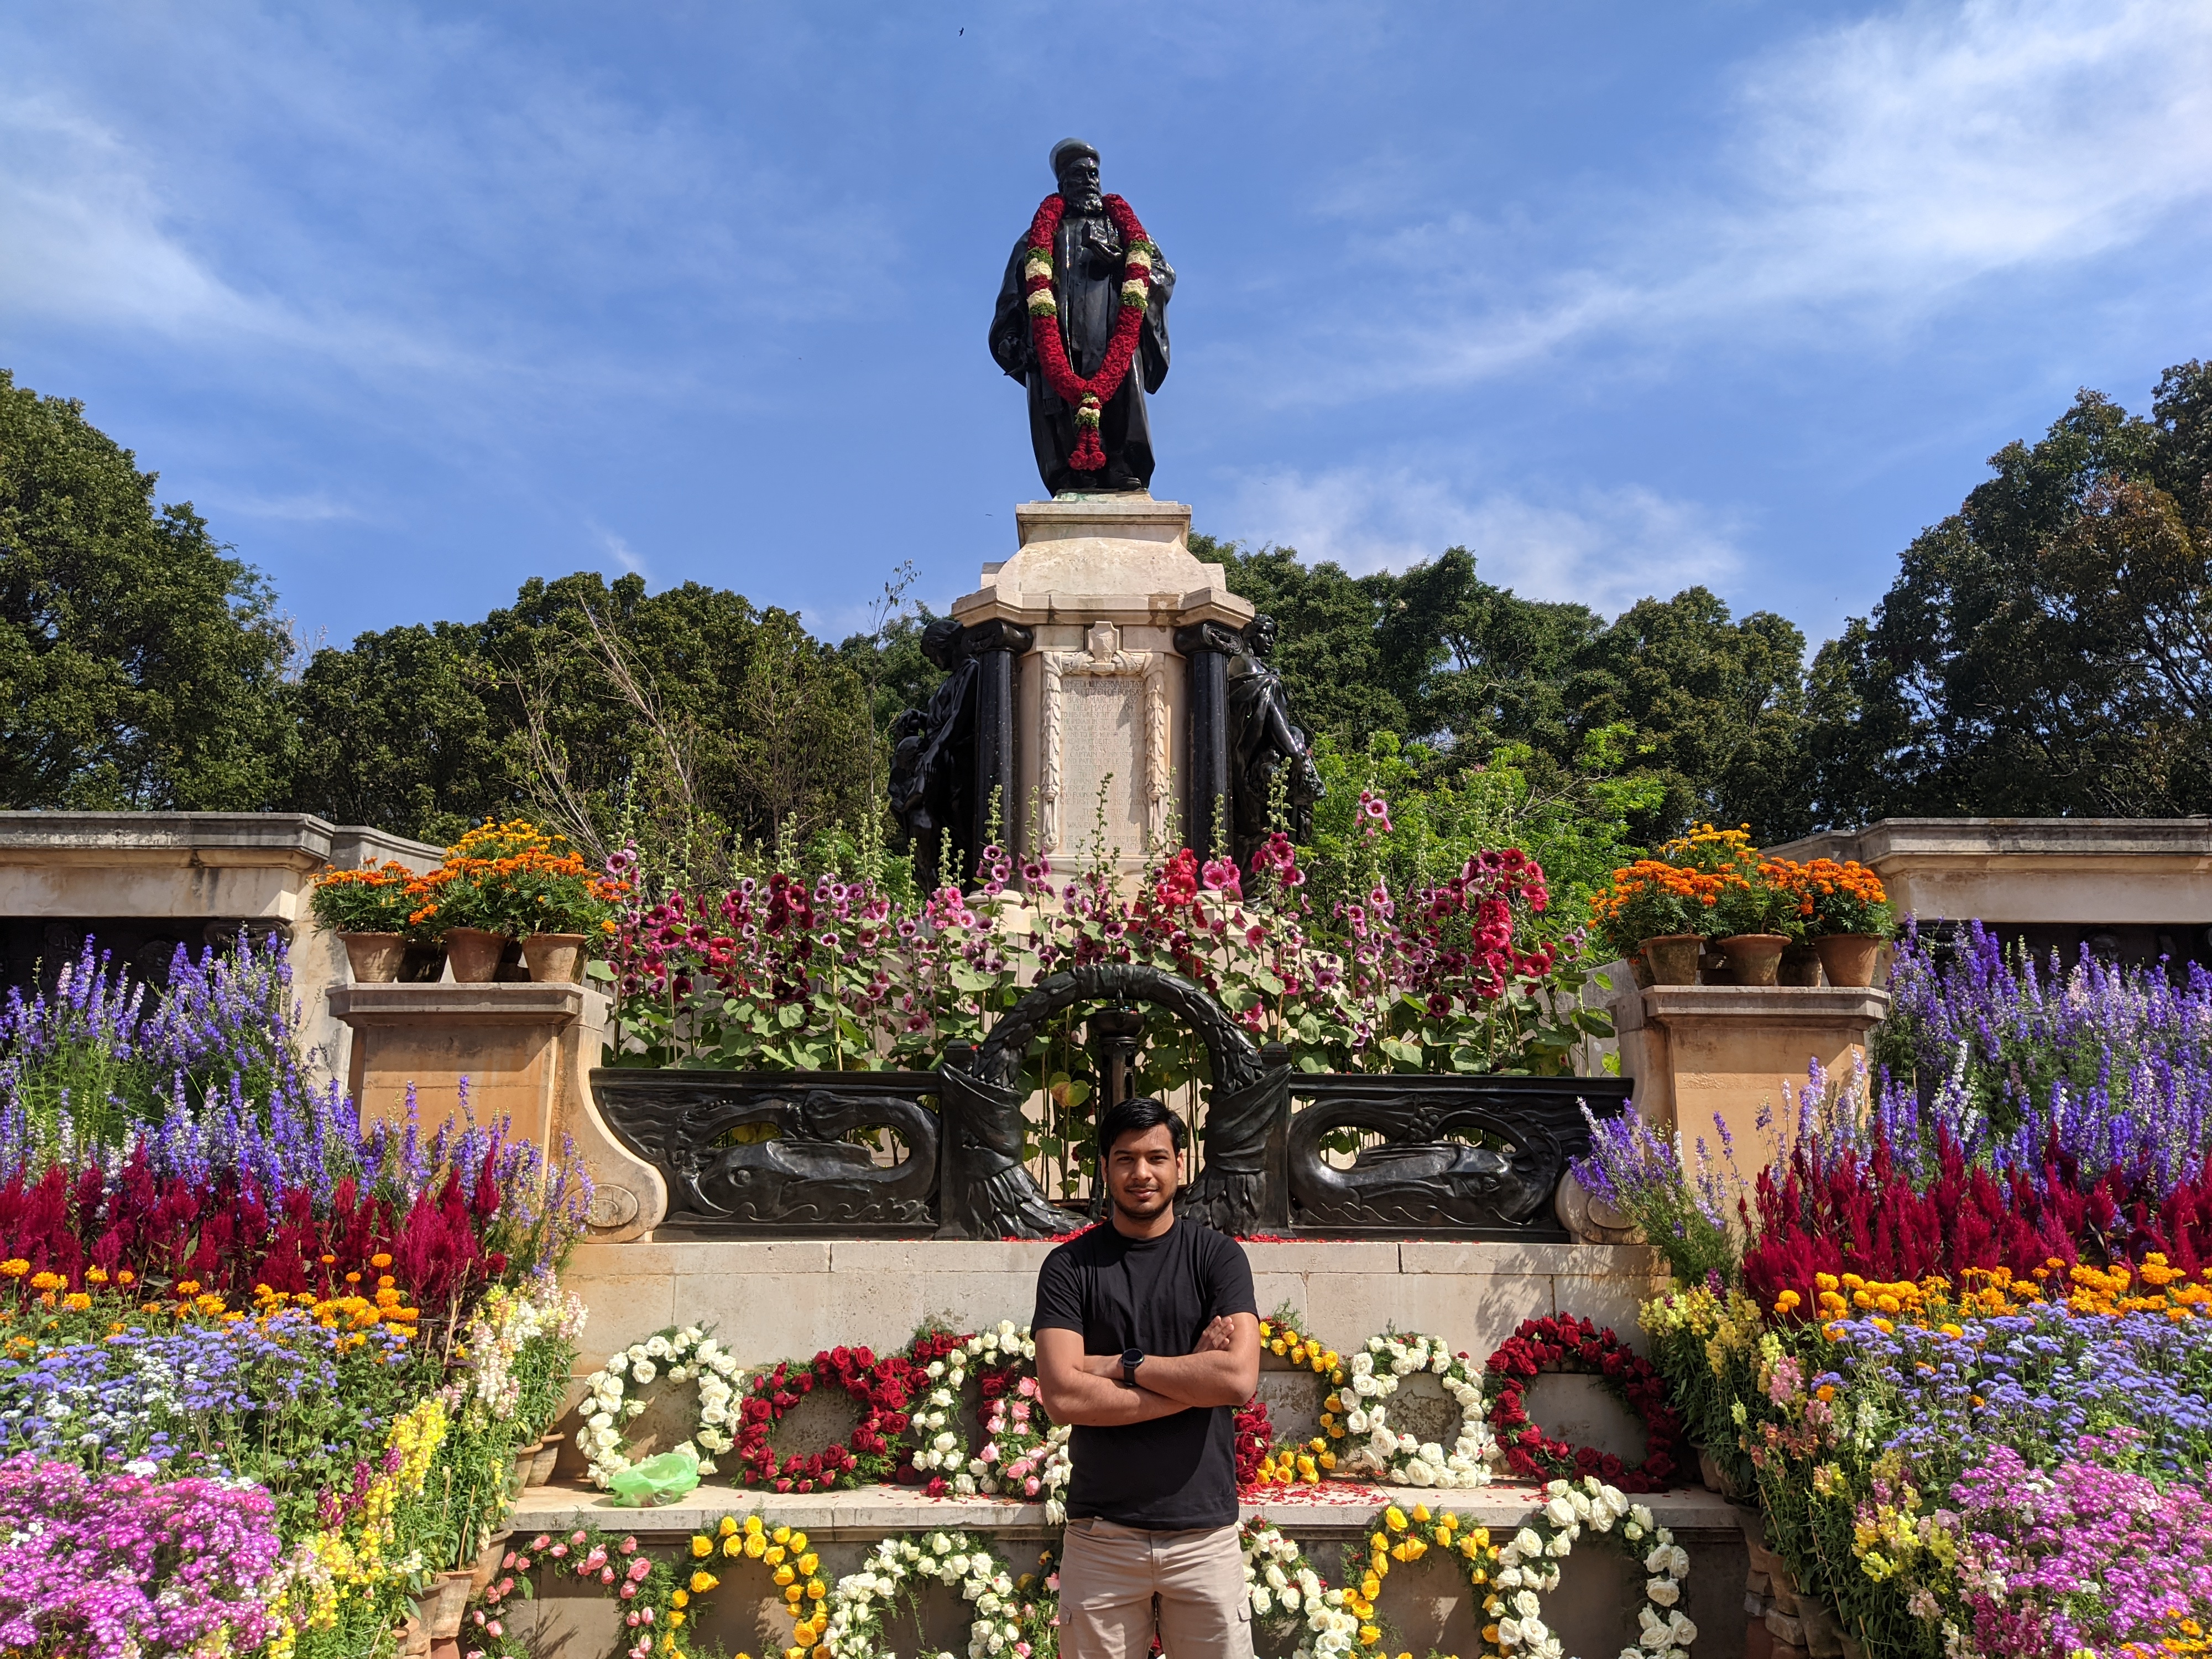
[(263, 1378), (1959, 1340)]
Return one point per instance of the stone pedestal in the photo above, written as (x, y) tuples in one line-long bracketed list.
[(1696, 1050), (525, 1053), (1101, 699)]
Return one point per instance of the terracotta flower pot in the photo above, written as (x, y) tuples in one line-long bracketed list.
[(414, 1637), (424, 963), (1673, 958), (549, 1453), (487, 1561), (1849, 959), (1640, 970), (374, 959), (1754, 959), (474, 954), (440, 1607), (1801, 965), (553, 958)]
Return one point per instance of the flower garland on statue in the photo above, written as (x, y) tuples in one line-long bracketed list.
[(1569, 1344), (1087, 398), (1010, 1614), (614, 1396), (1285, 1591), (885, 1389), (1374, 1376)]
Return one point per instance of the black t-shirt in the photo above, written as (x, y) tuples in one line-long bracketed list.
[(1157, 1294)]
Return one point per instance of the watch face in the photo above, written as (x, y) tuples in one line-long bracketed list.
[(1132, 1357)]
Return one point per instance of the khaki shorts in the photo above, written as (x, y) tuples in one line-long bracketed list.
[(1109, 1575)]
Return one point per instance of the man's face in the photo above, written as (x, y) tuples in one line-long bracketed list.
[(1143, 1170), (1078, 179)]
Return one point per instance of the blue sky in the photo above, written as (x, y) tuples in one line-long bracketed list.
[(416, 303)]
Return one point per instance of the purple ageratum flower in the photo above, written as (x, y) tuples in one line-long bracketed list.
[(121, 1564)]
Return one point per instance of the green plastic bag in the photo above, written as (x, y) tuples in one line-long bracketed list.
[(661, 1479)]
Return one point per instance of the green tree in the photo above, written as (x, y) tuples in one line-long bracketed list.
[(2047, 649), (141, 665)]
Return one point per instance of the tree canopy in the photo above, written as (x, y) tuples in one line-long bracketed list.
[(140, 663), (2047, 649)]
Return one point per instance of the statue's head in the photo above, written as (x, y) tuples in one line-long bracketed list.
[(1260, 635), (941, 641), (1075, 166)]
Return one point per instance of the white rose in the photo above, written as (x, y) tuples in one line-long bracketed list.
[(637, 1351), (1508, 1632), (643, 1372), (1260, 1600), (1665, 1591)]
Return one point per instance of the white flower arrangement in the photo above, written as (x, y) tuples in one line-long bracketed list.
[(1004, 1610), (1024, 1455), (615, 1397), (1373, 1375), (1282, 1587), (1528, 1569)]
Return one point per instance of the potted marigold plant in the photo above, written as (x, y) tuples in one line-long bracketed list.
[(1657, 915), (1757, 921), (368, 909), (1844, 911), (514, 882)]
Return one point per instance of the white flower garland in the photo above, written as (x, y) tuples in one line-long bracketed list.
[(614, 1397), (1281, 1585), (1024, 1454), (1528, 1569), (1372, 1377), (859, 1600), (940, 1449)]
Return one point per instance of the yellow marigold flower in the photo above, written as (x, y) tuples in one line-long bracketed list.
[(14, 1267), (76, 1301), (47, 1281)]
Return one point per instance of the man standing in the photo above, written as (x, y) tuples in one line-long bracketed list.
[(1089, 255), (1147, 1339)]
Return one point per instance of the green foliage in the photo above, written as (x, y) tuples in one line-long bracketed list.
[(140, 664), (2047, 649), (1575, 821), (1701, 712)]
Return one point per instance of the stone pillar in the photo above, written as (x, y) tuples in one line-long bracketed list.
[(1697, 1050), (996, 644), (1101, 702), (1207, 647), (527, 1051)]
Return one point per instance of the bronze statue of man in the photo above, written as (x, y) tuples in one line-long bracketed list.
[(1094, 261)]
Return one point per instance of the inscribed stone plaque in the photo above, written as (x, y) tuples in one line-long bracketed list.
[(1102, 732)]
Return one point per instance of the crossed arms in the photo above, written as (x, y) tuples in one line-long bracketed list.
[(1086, 1389)]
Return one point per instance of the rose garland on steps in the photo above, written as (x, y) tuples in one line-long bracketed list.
[(885, 1389), (1087, 398), (1573, 1344)]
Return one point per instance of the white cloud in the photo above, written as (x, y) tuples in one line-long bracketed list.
[(620, 551), (1605, 548), (1871, 172), (311, 506)]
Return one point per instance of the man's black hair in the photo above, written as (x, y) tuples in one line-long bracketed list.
[(1134, 1117)]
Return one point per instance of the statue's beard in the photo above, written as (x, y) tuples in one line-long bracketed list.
[(1086, 201)]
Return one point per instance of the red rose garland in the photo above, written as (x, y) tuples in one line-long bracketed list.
[(1568, 1344), (885, 1389), (1256, 1439), (1088, 397)]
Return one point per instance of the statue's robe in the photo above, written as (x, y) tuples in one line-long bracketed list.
[(1087, 278)]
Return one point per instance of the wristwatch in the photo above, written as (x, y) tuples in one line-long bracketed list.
[(1131, 1359)]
